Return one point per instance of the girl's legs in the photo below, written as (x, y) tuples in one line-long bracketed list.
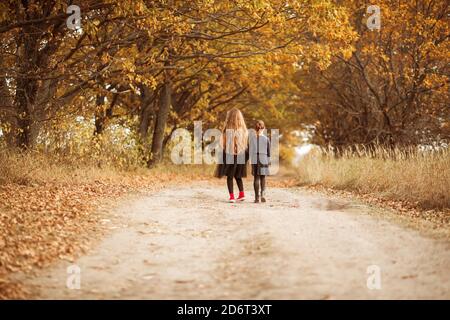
[(230, 185), (256, 182), (240, 184), (263, 183), (263, 188)]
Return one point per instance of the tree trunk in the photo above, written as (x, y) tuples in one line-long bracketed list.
[(145, 114), (160, 124), (99, 121), (26, 88), (103, 114)]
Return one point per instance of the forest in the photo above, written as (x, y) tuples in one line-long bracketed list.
[(91, 92), (136, 70)]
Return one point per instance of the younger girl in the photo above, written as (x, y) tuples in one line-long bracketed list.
[(234, 142), (260, 159)]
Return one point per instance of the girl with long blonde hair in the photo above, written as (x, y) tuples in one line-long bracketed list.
[(234, 143)]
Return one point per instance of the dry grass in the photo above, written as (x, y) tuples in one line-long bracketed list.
[(36, 168), (420, 178)]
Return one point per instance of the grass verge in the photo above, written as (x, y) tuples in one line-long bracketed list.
[(419, 179)]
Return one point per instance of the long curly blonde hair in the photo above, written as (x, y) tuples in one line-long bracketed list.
[(235, 121)]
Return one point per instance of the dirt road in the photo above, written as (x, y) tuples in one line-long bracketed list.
[(189, 243)]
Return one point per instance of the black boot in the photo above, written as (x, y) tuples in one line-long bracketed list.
[(256, 199), (263, 196)]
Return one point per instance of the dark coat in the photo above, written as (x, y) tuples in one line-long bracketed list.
[(259, 151)]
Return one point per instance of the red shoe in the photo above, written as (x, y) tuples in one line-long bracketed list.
[(241, 196), (232, 200)]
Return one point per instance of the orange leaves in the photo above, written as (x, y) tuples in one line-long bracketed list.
[(41, 223)]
